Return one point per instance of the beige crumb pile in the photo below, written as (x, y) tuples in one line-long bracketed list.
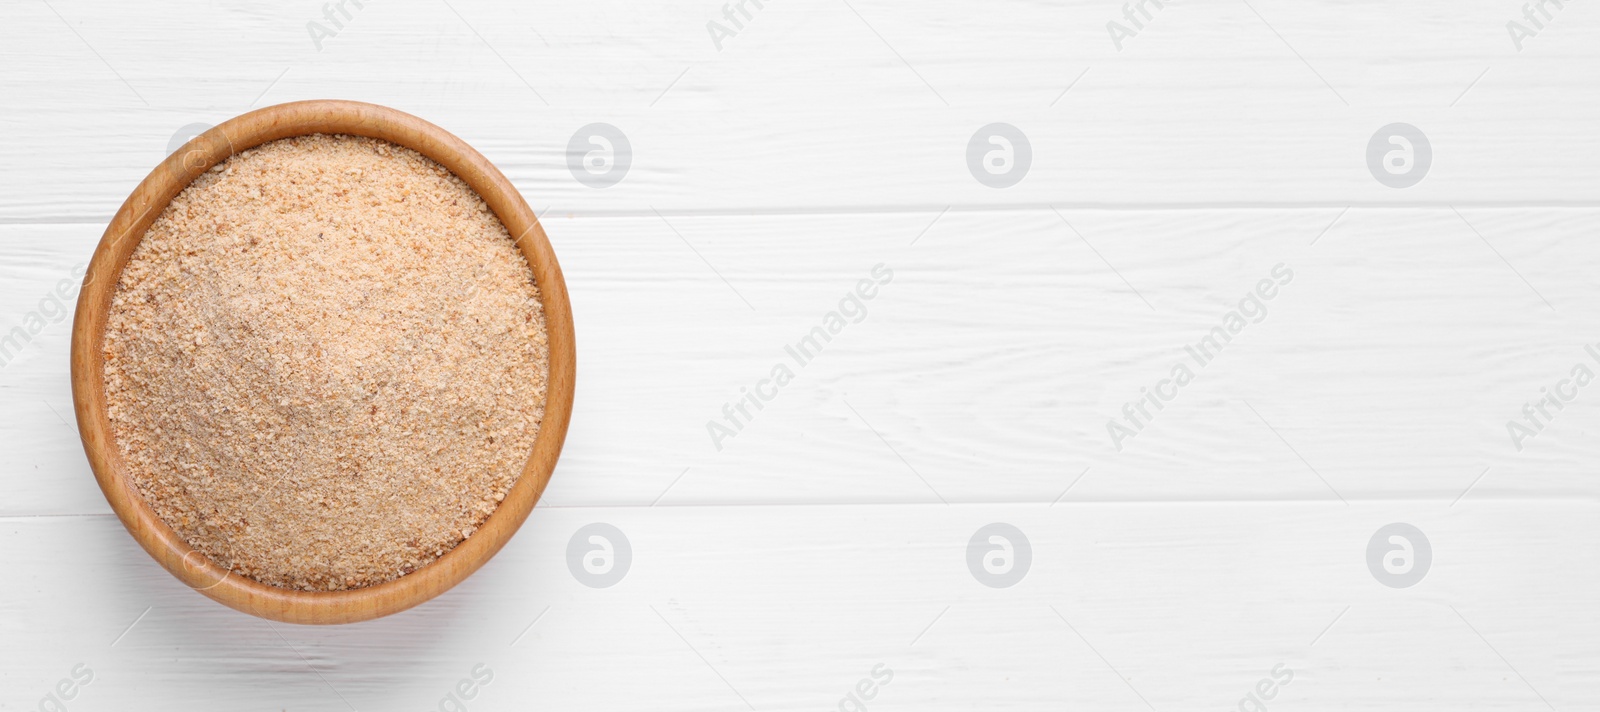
[(326, 362)]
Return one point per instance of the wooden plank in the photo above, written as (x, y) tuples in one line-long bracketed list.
[(789, 607), (808, 109), (1390, 365)]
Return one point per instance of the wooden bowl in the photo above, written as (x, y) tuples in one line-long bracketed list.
[(88, 382)]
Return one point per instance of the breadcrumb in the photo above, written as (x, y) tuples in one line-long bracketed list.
[(326, 362)]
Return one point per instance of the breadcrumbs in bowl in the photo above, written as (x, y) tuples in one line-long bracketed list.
[(325, 362)]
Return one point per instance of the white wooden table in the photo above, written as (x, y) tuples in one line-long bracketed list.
[(1216, 557)]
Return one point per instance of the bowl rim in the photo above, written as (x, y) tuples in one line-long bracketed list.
[(140, 210)]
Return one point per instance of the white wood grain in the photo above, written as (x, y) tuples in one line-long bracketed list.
[(791, 605), (808, 109), (826, 138)]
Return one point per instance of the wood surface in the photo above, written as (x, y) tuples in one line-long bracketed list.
[(767, 178), (88, 364)]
